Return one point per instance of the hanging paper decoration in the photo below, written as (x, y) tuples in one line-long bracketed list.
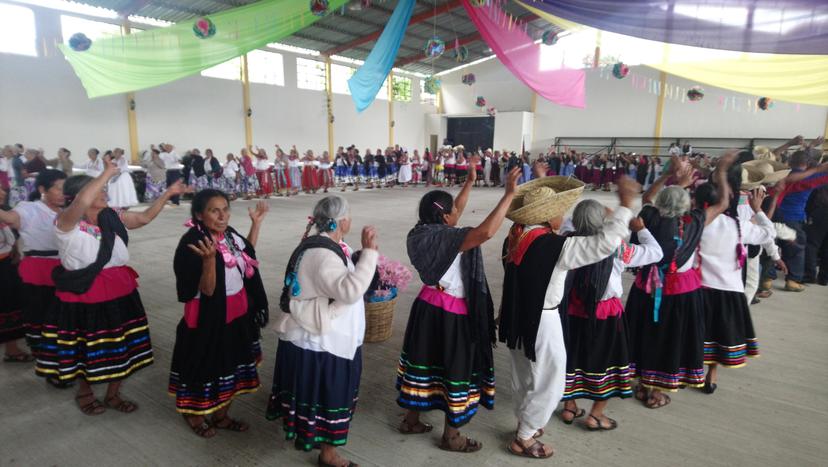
[(696, 93), (481, 101), (79, 42), (619, 70), (432, 85), (203, 28), (319, 7), (491, 111), (764, 103), (435, 47), (461, 54), (549, 37), (478, 3), (469, 79)]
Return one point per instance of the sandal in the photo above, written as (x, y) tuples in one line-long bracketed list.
[(203, 429), (709, 388), (535, 451), (640, 393), (469, 445), (575, 414), (415, 429), (612, 424), (21, 357), (121, 405), (658, 403), (93, 408), (322, 463), (233, 425), (537, 434)]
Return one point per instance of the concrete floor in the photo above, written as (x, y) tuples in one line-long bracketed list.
[(772, 412)]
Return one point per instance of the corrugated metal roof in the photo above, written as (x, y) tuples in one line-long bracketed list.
[(342, 27)]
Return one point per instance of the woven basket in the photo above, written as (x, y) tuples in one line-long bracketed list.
[(378, 319)]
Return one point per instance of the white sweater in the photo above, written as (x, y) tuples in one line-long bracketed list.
[(313, 324)]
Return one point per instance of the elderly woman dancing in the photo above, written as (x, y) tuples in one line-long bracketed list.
[(321, 328)]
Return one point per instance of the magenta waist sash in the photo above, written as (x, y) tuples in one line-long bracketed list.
[(608, 308), (111, 283), (675, 283), (236, 307), (35, 270), (444, 301)]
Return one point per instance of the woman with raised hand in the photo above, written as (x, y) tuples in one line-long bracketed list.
[(217, 340), (446, 362), (97, 333), (321, 328)]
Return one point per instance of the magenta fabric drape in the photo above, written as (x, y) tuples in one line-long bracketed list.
[(522, 57)]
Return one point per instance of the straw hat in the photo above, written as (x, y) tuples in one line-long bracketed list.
[(772, 171), (751, 177), (763, 153), (542, 199)]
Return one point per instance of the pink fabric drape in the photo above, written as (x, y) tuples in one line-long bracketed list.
[(518, 52)]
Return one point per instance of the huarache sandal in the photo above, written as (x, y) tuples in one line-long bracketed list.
[(124, 406), (21, 357), (202, 429), (227, 423), (612, 424), (322, 463), (467, 445), (415, 429), (641, 393), (575, 414), (658, 402), (709, 388), (92, 408), (534, 451)]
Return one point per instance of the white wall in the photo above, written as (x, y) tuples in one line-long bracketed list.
[(44, 105), (614, 109)]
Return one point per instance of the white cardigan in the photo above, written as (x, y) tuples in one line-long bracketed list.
[(313, 324)]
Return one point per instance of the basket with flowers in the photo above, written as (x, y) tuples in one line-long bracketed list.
[(392, 277)]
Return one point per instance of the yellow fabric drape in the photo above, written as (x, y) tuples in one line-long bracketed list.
[(793, 78)]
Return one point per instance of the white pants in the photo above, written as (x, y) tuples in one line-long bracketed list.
[(752, 278), (538, 386)]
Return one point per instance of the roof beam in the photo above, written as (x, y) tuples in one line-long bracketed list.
[(419, 18), (133, 8)]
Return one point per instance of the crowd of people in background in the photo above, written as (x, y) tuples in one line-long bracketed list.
[(707, 244)]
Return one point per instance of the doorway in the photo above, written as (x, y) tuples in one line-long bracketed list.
[(472, 132)]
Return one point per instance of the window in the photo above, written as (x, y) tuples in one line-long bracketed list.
[(266, 68), (426, 97), (310, 74), (231, 69), (70, 25), (340, 74), (401, 87), (18, 34), (383, 92)]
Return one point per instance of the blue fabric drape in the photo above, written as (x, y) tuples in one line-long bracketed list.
[(367, 81), (767, 26)]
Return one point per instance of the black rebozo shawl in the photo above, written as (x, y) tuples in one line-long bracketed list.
[(212, 350), (524, 291), (665, 231), (431, 250)]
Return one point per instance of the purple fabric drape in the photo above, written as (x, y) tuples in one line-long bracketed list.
[(766, 26), (518, 52)]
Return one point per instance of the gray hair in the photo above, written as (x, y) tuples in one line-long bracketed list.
[(329, 208), (588, 217), (672, 202)]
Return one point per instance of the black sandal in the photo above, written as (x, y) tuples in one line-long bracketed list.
[(580, 413), (469, 445), (235, 425), (612, 424), (534, 451), (123, 406), (93, 408), (709, 388), (415, 429)]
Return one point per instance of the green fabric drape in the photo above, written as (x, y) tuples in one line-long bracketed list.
[(150, 58)]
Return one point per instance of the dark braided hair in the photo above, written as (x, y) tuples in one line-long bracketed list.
[(434, 205), (46, 179)]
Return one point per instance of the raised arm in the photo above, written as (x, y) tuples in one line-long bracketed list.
[(69, 218), (489, 227), (463, 198), (135, 220), (720, 177), (795, 141), (10, 218), (648, 251), (257, 215), (337, 282)]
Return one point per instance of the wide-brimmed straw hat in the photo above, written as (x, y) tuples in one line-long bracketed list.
[(763, 153), (543, 199), (772, 171), (751, 177)]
